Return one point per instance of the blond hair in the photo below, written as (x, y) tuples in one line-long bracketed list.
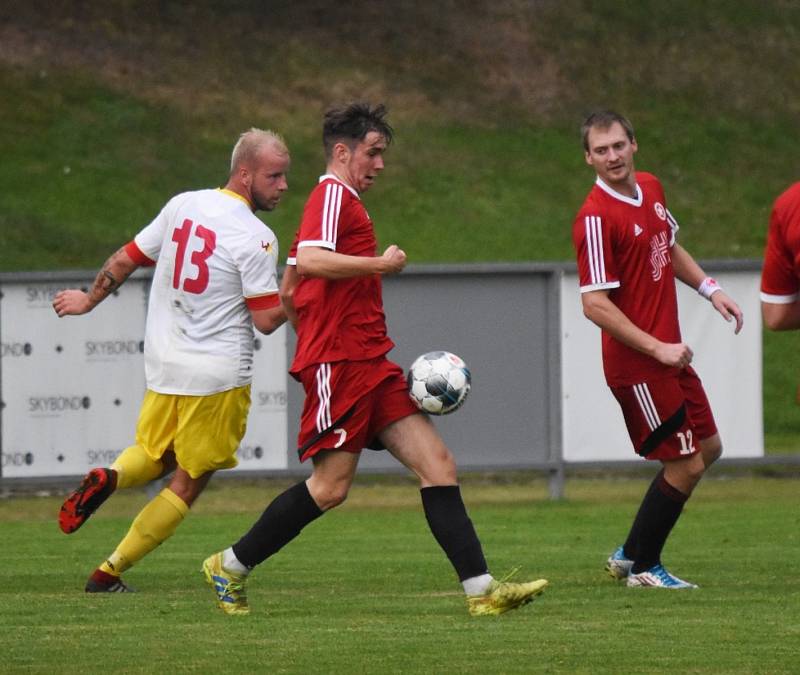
[(252, 142)]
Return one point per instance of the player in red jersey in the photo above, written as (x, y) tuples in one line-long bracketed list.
[(355, 396), (628, 260), (780, 277)]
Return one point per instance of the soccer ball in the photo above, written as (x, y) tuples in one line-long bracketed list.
[(438, 382)]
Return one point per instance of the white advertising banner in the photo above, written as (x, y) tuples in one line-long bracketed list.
[(72, 387), (729, 366)]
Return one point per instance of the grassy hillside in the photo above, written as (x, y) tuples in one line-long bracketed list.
[(109, 108)]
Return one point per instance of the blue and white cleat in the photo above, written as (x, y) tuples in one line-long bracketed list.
[(658, 577), (617, 565)]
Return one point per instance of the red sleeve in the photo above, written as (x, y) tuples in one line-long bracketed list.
[(263, 301), (591, 236), (291, 259), (137, 256), (320, 223), (778, 278)]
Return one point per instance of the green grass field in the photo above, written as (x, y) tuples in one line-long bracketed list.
[(366, 590)]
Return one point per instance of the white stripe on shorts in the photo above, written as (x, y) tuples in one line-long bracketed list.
[(324, 396), (646, 404)]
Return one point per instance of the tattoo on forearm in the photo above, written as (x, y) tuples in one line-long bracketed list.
[(106, 282), (110, 284)]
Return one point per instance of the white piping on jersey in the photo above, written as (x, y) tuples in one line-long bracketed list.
[(600, 287), (594, 249), (673, 227), (340, 181), (616, 195), (324, 396), (646, 404), (778, 299), (312, 242)]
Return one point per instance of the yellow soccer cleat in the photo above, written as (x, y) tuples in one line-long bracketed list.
[(228, 586), (501, 596)]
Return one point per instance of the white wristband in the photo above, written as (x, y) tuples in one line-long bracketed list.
[(708, 287)]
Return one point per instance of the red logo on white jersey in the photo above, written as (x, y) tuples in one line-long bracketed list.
[(661, 212), (659, 254)]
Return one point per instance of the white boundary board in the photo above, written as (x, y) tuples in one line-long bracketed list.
[(72, 387), (729, 366)]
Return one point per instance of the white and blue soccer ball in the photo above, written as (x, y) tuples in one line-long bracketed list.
[(438, 382)]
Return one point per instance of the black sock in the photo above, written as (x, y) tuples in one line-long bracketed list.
[(281, 522), (660, 510), (451, 527), (632, 542)]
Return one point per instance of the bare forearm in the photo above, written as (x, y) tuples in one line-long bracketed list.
[(111, 276), (267, 321), (116, 269), (610, 318), (686, 268), (597, 307), (317, 262)]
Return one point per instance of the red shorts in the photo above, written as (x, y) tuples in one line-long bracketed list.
[(348, 403), (666, 418)]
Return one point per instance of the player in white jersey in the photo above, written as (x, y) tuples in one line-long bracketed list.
[(215, 278)]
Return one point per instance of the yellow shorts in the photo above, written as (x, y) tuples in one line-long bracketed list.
[(203, 431)]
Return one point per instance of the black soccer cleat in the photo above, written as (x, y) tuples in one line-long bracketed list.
[(101, 582)]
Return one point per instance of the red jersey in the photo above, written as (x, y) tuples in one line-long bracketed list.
[(780, 278), (623, 246), (338, 319)]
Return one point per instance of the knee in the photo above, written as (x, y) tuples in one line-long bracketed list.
[(328, 496), (711, 450), (187, 493), (694, 472), (187, 488), (440, 470)]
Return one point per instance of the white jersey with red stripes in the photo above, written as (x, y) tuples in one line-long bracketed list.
[(214, 259), (623, 246)]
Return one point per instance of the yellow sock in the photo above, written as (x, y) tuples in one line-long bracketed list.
[(155, 524), (135, 467)]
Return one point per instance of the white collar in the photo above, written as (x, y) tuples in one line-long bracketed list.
[(339, 180), (637, 201)]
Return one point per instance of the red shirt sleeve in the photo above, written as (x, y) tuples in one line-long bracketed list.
[(591, 236), (321, 215), (779, 282)]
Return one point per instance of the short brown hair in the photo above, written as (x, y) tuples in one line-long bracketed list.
[(603, 119)]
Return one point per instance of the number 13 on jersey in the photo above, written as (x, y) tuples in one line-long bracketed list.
[(182, 236)]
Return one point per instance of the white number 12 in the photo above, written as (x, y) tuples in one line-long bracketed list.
[(686, 442)]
